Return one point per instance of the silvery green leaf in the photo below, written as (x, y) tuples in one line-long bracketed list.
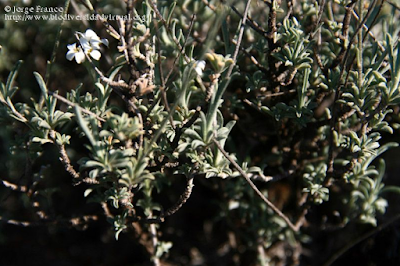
[(42, 84), (197, 143), (40, 140), (192, 134), (92, 163), (8, 91), (87, 192)]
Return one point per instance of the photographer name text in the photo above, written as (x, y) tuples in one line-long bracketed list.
[(33, 9)]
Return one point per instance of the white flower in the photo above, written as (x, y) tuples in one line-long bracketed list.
[(75, 52), (91, 37), (199, 67), (89, 44), (90, 49)]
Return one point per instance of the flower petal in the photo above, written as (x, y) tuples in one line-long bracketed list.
[(105, 42), (79, 56), (199, 67), (71, 47), (90, 34), (85, 45), (70, 55), (95, 44), (95, 54)]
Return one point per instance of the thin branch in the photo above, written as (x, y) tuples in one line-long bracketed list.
[(79, 11), (359, 239), (355, 15), (162, 79), (362, 23), (345, 52), (106, 210), (239, 39), (56, 45), (161, 18), (43, 216), (261, 253), (14, 187), (332, 125), (393, 4), (271, 24), (116, 86), (181, 50), (318, 21), (14, 111), (129, 12), (275, 178), (182, 199), (343, 36), (179, 131), (19, 223), (154, 240), (210, 6), (64, 158), (342, 59), (67, 162), (75, 221), (289, 9), (107, 25), (303, 204), (123, 47), (165, 80), (253, 59), (83, 110), (254, 187), (268, 96), (250, 22)]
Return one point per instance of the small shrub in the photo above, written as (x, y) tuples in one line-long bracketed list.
[(303, 95)]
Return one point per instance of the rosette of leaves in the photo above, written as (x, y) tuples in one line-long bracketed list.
[(365, 97), (108, 162), (7, 91), (119, 195), (314, 178), (365, 150), (255, 81), (366, 199), (364, 146), (198, 146), (95, 102), (122, 127), (46, 118), (390, 90), (294, 53), (300, 109), (119, 223), (257, 224), (42, 119)]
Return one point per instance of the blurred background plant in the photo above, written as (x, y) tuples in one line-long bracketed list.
[(200, 133)]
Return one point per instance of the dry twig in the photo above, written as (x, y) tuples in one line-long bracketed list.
[(254, 187)]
